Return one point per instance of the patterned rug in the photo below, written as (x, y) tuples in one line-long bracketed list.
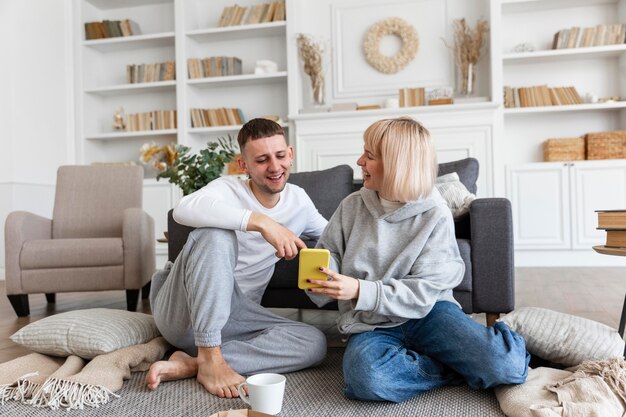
[(313, 392)]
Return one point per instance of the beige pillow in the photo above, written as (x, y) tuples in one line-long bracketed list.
[(455, 193), (87, 333), (563, 338)]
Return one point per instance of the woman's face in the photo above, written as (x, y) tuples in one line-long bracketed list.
[(372, 167)]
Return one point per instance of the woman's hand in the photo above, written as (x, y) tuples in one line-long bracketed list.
[(339, 287)]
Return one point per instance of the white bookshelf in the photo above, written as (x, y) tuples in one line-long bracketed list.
[(170, 30), (572, 190)]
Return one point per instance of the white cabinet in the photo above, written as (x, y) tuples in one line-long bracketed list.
[(554, 203)]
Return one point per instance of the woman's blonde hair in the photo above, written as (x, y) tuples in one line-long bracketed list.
[(408, 156)]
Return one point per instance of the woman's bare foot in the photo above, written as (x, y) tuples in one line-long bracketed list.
[(179, 366), (215, 375)]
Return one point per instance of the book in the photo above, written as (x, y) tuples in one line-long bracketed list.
[(616, 239), (611, 219)]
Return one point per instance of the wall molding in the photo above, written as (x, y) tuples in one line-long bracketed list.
[(354, 77)]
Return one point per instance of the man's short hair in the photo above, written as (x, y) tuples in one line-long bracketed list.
[(408, 156), (258, 129)]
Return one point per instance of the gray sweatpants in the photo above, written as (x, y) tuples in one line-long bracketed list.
[(197, 303)]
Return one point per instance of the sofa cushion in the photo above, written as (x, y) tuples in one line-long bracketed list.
[(455, 193), (326, 188), (65, 253), (467, 169)]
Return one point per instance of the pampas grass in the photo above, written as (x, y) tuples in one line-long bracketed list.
[(311, 53), (467, 45)]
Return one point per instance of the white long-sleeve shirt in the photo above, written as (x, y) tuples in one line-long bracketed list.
[(228, 202)]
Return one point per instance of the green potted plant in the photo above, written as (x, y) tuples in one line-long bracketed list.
[(189, 172)]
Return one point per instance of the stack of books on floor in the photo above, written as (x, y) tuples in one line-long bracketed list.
[(614, 222)]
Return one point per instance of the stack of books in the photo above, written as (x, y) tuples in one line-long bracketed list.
[(540, 95), (614, 222), (111, 29), (577, 37), (215, 66), (216, 117), (260, 13), (152, 120), (412, 97), (147, 73)]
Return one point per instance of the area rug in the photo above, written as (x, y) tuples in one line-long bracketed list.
[(313, 392)]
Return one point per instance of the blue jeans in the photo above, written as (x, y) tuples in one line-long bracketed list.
[(445, 347)]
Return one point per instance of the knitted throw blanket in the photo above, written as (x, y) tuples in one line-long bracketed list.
[(73, 383)]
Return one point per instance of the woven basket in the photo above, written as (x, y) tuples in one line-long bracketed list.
[(606, 145), (564, 149)]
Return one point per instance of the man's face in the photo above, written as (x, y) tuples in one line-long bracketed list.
[(267, 161)]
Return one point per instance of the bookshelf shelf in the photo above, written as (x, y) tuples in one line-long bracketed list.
[(238, 80), (126, 43), (607, 51), (132, 135), (569, 108), (132, 88), (239, 32)]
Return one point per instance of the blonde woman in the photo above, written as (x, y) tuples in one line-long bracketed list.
[(393, 243)]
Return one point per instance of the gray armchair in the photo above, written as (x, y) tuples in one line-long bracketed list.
[(484, 236), (98, 239)]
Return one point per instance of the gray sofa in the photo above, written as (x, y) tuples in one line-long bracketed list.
[(484, 236)]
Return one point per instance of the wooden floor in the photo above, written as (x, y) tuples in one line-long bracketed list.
[(594, 293)]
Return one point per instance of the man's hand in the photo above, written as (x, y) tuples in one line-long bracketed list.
[(282, 239), (339, 287)]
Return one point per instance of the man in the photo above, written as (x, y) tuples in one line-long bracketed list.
[(207, 303)]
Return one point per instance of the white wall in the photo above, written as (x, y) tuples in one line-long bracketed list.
[(35, 111)]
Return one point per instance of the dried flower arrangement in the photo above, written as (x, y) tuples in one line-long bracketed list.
[(311, 53), (467, 45)]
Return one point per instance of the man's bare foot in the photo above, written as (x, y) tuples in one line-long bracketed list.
[(179, 366), (215, 375)]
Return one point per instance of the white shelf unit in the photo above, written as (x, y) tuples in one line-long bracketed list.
[(101, 86), (598, 71), (255, 94)]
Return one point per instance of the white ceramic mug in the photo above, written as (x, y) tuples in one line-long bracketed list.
[(265, 392)]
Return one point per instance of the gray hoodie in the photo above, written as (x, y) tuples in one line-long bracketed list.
[(406, 260)]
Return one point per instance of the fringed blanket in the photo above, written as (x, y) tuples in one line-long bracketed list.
[(72, 382), (592, 389)]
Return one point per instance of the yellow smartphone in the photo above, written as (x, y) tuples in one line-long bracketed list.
[(309, 266)]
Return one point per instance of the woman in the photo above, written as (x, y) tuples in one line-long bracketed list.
[(393, 242)]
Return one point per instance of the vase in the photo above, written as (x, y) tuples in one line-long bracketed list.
[(467, 79)]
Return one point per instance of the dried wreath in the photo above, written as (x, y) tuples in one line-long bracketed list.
[(390, 26)]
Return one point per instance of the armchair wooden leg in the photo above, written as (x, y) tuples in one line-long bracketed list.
[(20, 304), (51, 298), (491, 318), (145, 291), (132, 296)]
